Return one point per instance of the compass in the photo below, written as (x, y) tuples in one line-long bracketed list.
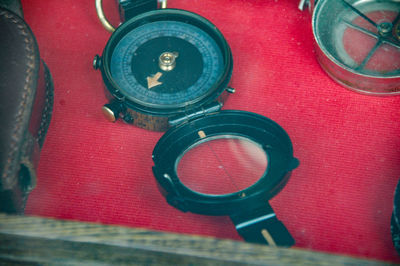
[(358, 43), (162, 66), (168, 70)]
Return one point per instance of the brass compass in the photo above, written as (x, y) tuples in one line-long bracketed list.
[(164, 66)]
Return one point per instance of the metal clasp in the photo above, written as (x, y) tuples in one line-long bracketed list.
[(303, 4), (106, 24)]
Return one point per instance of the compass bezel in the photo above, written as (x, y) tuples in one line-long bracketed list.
[(193, 19)]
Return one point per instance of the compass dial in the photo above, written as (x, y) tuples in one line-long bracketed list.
[(166, 64)]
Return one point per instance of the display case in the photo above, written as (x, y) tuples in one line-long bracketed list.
[(339, 200)]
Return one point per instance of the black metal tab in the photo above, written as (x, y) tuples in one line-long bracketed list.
[(130, 8), (260, 225)]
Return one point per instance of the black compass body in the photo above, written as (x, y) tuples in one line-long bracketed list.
[(165, 65)]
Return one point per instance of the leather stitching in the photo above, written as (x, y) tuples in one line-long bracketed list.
[(13, 154)]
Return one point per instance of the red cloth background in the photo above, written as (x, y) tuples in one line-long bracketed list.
[(340, 198)]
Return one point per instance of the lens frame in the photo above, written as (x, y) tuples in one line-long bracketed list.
[(256, 128)]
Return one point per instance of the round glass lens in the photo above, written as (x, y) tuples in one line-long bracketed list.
[(220, 166)]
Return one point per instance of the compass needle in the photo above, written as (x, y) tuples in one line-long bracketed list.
[(152, 81), (359, 12), (369, 55), (361, 29)]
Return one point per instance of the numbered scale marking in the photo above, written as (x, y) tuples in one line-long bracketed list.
[(136, 66)]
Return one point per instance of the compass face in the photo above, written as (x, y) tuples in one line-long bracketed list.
[(166, 64)]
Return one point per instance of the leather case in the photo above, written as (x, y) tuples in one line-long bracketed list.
[(26, 100)]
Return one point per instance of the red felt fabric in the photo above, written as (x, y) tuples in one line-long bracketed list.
[(339, 200)]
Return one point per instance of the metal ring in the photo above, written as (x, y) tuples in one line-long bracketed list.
[(106, 24), (100, 13)]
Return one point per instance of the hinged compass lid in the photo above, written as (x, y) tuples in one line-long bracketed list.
[(227, 163)]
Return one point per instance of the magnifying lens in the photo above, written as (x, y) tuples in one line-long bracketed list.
[(228, 163)]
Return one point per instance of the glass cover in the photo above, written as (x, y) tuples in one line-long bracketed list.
[(166, 64), (361, 34), (223, 165)]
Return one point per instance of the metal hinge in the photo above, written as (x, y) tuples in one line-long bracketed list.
[(186, 117)]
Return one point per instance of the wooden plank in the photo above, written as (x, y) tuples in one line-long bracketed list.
[(44, 241)]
